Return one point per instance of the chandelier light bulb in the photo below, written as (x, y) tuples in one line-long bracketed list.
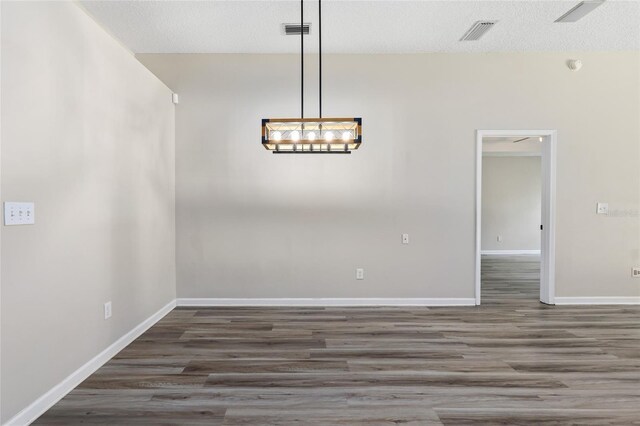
[(295, 136), (277, 136), (346, 136), (311, 136), (328, 136)]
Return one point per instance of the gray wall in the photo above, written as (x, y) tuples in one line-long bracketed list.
[(511, 203), (88, 135), (253, 224)]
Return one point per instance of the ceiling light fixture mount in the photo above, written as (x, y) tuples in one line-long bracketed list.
[(311, 135), (294, 29)]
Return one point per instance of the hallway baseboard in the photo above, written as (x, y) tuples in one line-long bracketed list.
[(508, 252)]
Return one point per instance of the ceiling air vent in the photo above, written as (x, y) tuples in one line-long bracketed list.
[(477, 30), (579, 11), (294, 29)]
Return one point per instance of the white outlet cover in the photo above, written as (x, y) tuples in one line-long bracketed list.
[(107, 310), (405, 238), (602, 208), (359, 274), (19, 213), (635, 272)]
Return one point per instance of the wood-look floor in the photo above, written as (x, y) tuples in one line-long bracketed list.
[(511, 361)]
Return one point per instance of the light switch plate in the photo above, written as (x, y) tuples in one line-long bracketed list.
[(19, 213), (602, 208), (405, 238)]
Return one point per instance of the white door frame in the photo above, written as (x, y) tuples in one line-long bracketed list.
[(548, 235)]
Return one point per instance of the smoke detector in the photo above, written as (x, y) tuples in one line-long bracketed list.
[(574, 64)]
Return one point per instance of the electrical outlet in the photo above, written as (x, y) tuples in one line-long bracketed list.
[(635, 272), (405, 238), (107, 310), (359, 274), (499, 238), (602, 208)]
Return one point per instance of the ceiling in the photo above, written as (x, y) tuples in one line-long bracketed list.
[(365, 26), (513, 144), (510, 139)]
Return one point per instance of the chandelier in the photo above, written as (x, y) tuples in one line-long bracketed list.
[(311, 135)]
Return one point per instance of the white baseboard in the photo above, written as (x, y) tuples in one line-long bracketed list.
[(632, 300), (509, 252), (55, 394), (511, 154), (470, 301)]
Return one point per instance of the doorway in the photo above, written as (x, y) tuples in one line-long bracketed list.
[(520, 143)]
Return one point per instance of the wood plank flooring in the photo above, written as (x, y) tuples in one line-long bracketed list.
[(510, 280), (511, 361)]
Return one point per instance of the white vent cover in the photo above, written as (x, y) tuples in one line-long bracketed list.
[(477, 30), (294, 29), (579, 11)]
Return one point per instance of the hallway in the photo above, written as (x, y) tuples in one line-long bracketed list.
[(510, 280)]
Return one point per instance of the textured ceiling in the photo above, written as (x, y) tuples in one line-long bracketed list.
[(237, 26)]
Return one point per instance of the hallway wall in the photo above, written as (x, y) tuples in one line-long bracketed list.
[(511, 203)]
